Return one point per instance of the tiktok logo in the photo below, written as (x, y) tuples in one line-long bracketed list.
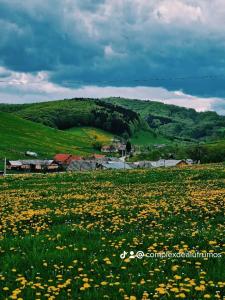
[(123, 255)]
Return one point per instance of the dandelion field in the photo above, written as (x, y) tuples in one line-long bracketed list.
[(61, 235)]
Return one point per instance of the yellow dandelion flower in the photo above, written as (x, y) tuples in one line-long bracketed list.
[(177, 277)]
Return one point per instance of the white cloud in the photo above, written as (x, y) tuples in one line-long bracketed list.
[(178, 11), (22, 88), (135, 38)]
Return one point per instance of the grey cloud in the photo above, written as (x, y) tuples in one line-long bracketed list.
[(145, 40)]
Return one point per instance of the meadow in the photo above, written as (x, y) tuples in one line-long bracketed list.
[(19, 136), (61, 235)]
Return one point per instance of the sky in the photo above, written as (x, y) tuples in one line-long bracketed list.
[(171, 51)]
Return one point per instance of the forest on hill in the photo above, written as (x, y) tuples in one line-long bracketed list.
[(65, 114), (183, 132), (176, 122)]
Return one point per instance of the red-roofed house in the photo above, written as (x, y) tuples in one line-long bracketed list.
[(62, 158)]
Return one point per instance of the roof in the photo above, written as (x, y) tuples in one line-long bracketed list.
[(98, 156), (116, 165), (19, 163), (15, 163), (74, 157), (79, 165), (189, 161), (173, 162), (62, 157), (37, 162), (166, 163), (159, 163), (144, 163)]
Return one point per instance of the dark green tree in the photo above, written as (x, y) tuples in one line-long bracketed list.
[(128, 147)]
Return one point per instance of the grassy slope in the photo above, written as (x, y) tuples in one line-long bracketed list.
[(140, 138), (91, 134), (77, 111), (18, 135), (145, 137), (68, 113)]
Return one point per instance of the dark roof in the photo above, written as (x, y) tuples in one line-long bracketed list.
[(116, 165)]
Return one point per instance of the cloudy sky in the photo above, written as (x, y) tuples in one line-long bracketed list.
[(167, 50)]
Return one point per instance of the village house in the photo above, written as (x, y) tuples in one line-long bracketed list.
[(118, 165), (62, 159), (109, 149), (73, 158), (35, 165), (14, 165), (65, 159), (98, 158), (81, 165), (143, 164), (161, 163)]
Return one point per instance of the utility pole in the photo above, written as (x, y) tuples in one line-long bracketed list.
[(5, 167)]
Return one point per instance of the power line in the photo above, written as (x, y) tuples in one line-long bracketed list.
[(120, 80)]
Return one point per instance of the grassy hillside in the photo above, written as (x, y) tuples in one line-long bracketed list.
[(176, 122), (144, 122), (66, 114), (147, 138), (91, 134), (18, 136)]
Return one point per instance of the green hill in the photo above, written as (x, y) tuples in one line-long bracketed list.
[(66, 114), (176, 122), (147, 138), (76, 123), (19, 135)]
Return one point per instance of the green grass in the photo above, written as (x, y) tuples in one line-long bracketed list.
[(91, 134), (18, 135), (61, 231), (65, 114), (146, 137)]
